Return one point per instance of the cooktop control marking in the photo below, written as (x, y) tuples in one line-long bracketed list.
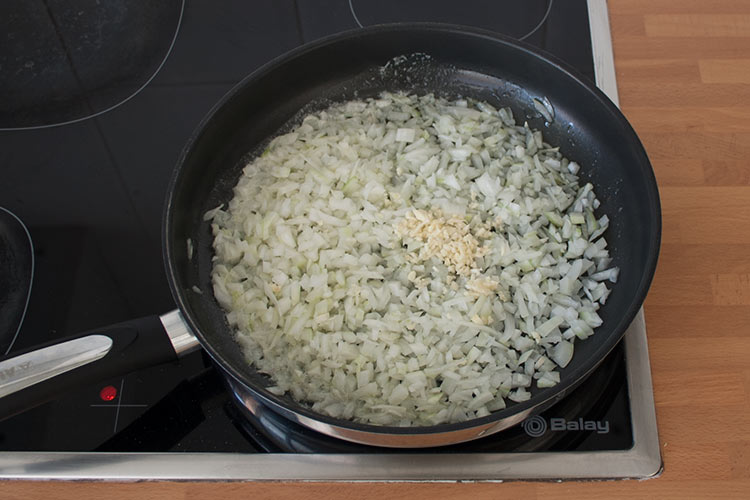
[(107, 392)]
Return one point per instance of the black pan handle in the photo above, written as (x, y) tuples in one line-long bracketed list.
[(44, 373)]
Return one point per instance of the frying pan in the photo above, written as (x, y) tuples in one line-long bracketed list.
[(447, 60)]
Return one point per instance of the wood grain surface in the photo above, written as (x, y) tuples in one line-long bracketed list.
[(683, 70)]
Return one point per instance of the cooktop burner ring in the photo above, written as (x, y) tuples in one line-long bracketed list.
[(23, 300), (533, 30), (85, 99)]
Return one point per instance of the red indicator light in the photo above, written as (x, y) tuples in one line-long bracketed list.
[(108, 393)]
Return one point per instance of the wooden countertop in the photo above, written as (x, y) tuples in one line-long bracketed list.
[(683, 71)]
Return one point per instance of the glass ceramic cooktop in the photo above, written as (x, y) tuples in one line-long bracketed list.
[(98, 100)]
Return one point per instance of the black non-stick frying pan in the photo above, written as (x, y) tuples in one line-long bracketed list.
[(448, 61)]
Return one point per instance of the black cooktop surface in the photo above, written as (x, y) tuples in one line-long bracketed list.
[(97, 100)]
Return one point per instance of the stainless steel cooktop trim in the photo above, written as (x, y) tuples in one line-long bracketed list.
[(643, 460)]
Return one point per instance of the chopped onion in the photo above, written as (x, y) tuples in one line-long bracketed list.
[(562, 353), (409, 260)]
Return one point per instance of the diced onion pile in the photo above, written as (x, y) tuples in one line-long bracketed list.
[(409, 261)]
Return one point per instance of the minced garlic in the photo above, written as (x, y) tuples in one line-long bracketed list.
[(451, 241)]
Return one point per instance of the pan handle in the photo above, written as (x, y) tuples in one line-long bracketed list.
[(45, 372)]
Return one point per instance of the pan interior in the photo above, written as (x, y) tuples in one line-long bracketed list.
[(448, 62)]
